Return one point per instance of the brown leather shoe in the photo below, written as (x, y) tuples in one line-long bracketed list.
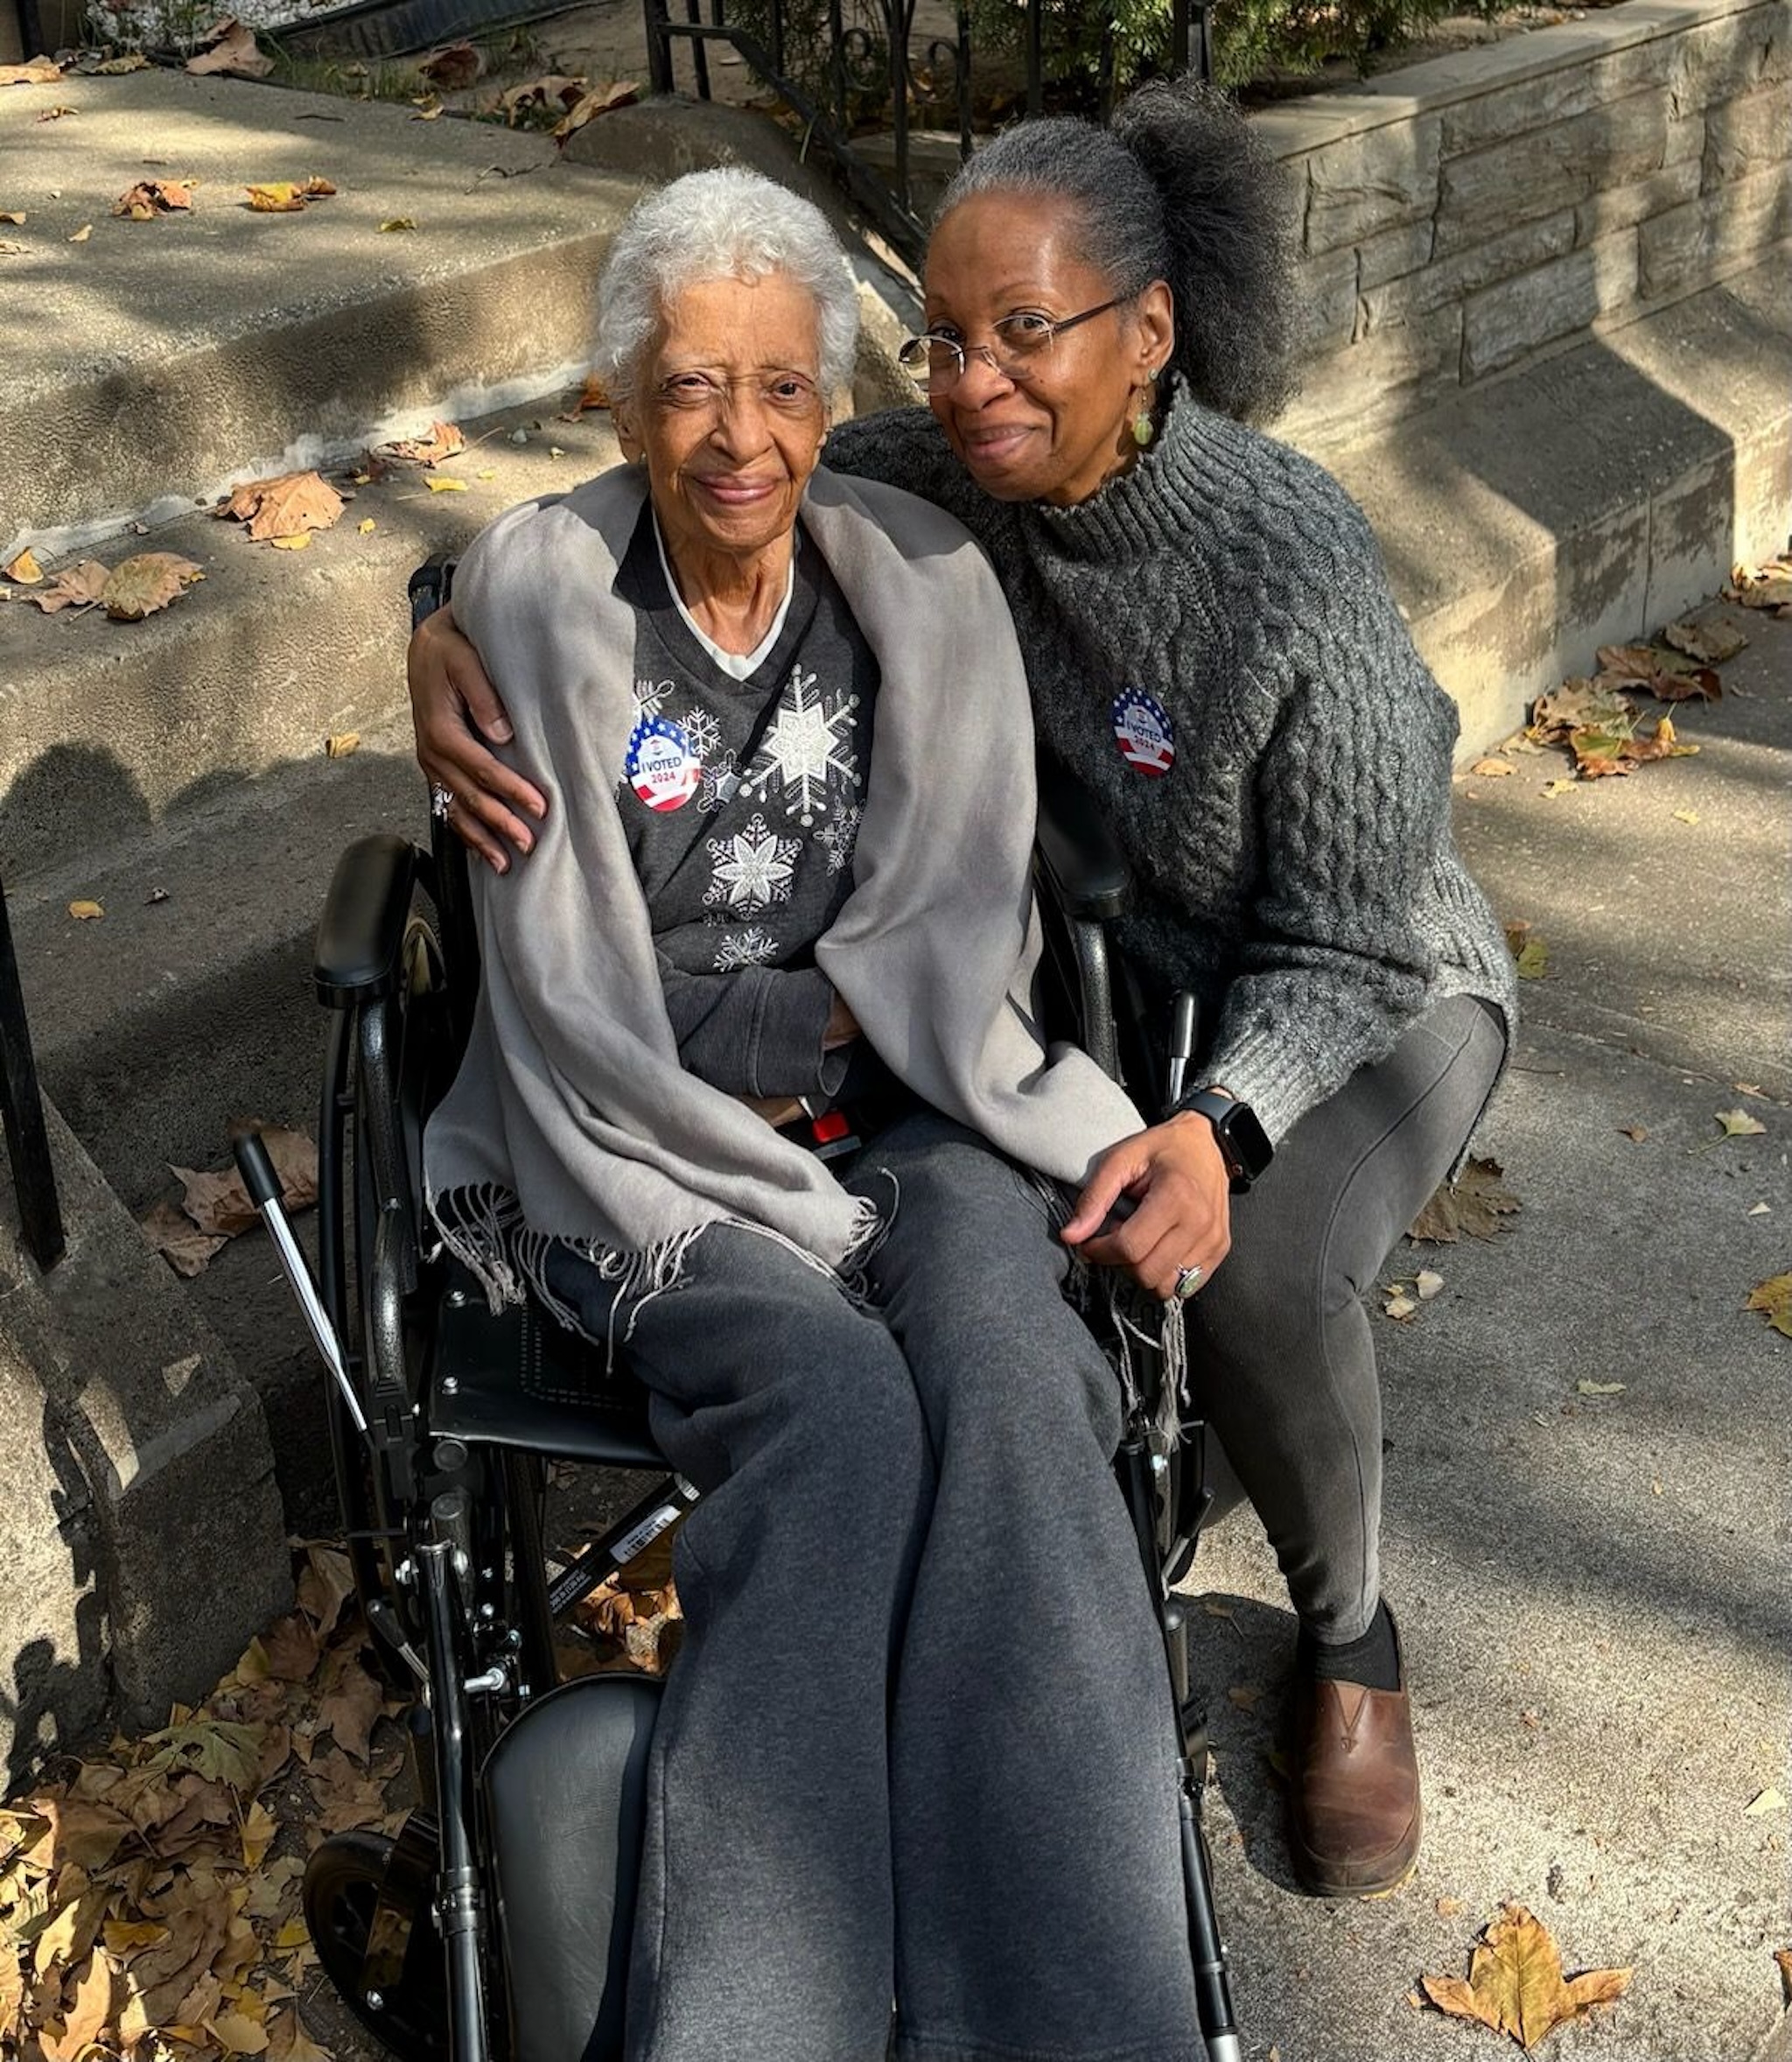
[(1354, 1805)]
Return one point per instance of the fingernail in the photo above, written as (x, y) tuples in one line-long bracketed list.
[(527, 845), (502, 731)]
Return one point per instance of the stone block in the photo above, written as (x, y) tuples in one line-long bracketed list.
[(1747, 135), (1393, 255), (1399, 368), (1561, 166), (1447, 280), (1324, 300), (1510, 321), (1692, 245), (142, 1410), (1371, 182), (1623, 208), (1559, 95), (1722, 59)]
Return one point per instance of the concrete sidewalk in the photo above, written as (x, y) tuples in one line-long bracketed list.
[(1591, 1588)]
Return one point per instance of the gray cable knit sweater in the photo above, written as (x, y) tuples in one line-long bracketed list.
[(1297, 862)]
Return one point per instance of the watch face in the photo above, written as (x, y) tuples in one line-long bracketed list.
[(1247, 1140)]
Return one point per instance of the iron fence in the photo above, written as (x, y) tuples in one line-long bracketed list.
[(869, 60)]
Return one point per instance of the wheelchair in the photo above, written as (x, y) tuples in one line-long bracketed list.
[(496, 1922)]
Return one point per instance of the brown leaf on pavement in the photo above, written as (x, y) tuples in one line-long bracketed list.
[(1738, 1123), (289, 2042), (1476, 1204), (1516, 1985), (56, 113), (284, 506), (89, 2008), (25, 569), (326, 1583), (1772, 1298), (453, 68), (231, 47), (40, 71), (1763, 586), (1782, 1960), (150, 198), (600, 101), (536, 93), (1575, 705), (291, 1645), (216, 1200), (317, 189), (138, 587), (282, 197), (75, 586), (593, 394), (441, 441), (349, 1709), (1709, 643), (115, 67), (179, 1241)]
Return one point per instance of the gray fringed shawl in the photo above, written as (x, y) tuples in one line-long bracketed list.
[(572, 1120)]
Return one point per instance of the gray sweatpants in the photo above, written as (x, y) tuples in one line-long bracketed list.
[(1279, 1343), (920, 1741)]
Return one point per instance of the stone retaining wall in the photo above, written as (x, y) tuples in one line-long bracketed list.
[(1464, 217)]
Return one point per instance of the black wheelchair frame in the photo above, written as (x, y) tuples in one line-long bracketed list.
[(496, 1921)]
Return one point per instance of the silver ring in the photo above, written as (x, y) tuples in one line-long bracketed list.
[(1189, 1280), (441, 801)]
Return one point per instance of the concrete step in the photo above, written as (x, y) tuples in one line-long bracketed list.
[(168, 356), (110, 726)]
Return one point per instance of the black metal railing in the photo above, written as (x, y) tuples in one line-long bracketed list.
[(21, 1109), (869, 61)]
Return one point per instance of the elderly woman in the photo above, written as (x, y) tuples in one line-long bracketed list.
[(1211, 646), (920, 1744)]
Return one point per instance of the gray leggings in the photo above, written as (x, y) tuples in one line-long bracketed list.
[(919, 1742), (1279, 1342)]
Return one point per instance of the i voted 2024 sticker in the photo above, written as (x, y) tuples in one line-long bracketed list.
[(1143, 733), (663, 765)]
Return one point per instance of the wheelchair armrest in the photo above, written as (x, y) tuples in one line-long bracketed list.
[(360, 935), (1088, 872)]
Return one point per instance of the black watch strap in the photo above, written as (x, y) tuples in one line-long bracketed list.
[(1243, 1143)]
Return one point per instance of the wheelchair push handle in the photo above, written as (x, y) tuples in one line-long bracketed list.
[(265, 1192)]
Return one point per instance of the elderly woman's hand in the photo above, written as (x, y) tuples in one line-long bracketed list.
[(1177, 1179), (452, 703)]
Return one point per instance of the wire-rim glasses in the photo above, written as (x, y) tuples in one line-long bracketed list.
[(936, 361)]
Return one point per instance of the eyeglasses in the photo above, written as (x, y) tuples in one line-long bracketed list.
[(697, 392), (936, 361)]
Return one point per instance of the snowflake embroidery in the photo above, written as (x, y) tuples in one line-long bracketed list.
[(746, 947), (752, 869), (805, 753), (720, 778), (839, 839), (704, 731)]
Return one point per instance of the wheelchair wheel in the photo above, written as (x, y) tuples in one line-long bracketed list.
[(367, 1907)]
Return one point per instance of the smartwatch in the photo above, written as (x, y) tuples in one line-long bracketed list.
[(1244, 1144)]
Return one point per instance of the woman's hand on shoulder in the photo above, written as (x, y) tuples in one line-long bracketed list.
[(1176, 1180), (452, 704)]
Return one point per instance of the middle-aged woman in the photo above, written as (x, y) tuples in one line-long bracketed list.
[(1211, 645), (920, 1744)]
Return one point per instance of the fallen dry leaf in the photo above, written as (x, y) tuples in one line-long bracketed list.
[(138, 587), (1762, 1802), (317, 189), (397, 222), (282, 197), (216, 1200), (1709, 643), (81, 235), (15, 216), (1772, 1298), (25, 569), (1399, 1306), (10, 249), (453, 68), (1763, 586), (232, 48), (1493, 769), (288, 505), (1428, 1283), (300, 540), (1782, 1960), (427, 110), (441, 441), (40, 71), (588, 106), (1515, 1984), (367, 526), (115, 67), (1476, 1204), (1636, 1132), (179, 1241), (150, 198), (445, 483), (56, 113), (341, 744), (1590, 1388), (1738, 1123), (75, 586), (534, 94), (593, 394)]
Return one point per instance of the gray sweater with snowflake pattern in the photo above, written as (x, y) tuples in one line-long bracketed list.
[(1296, 865)]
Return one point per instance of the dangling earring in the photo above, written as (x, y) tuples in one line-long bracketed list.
[(1143, 428)]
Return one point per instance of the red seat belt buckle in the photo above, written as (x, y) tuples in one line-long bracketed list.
[(829, 1127)]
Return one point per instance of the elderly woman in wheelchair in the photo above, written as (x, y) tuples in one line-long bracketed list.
[(754, 1096)]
